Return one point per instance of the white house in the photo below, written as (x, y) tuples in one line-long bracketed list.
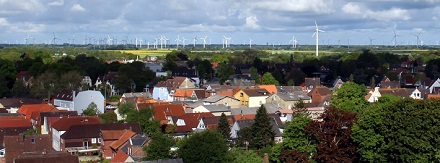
[(435, 86), (373, 95), (73, 101)]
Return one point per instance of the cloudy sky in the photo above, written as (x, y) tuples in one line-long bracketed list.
[(265, 21)]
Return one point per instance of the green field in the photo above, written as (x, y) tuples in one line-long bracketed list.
[(145, 52)]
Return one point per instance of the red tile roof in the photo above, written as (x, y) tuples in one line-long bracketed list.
[(119, 157), (112, 134), (14, 122), (191, 121), (163, 110), (244, 116), (28, 109), (270, 88), (64, 123), (122, 139)]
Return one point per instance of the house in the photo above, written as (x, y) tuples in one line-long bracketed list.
[(28, 109), (217, 89), (222, 99), (107, 79), (189, 94), (39, 121), (288, 100), (62, 125), (88, 137), (211, 123), (337, 83), (87, 81), (112, 140), (133, 96), (310, 83), (47, 157), (12, 126), (252, 97), (191, 74), (387, 83), (373, 95), (122, 157), (72, 101), (154, 67), (289, 88), (418, 93), (164, 90), (399, 92), (134, 147), (270, 88), (13, 104), (315, 110), (274, 120), (187, 123), (20, 144), (217, 110), (319, 93), (240, 80), (434, 88), (165, 112)]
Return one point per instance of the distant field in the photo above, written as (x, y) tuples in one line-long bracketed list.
[(296, 51), (144, 52)]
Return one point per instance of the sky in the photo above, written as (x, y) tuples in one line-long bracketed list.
[(263, 21)]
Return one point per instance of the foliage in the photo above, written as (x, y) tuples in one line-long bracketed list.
[(268, 79), (262, 133), (159, 147), (244, 137), (399, 130), (125, 108), (255, 75), (108, 117), (223, 126), (145, 118), (204, 68), (19, 89), (204, 147), (224, 71), (350, 96), (333, 136), (245, 156), (44, 85), (91, 110)]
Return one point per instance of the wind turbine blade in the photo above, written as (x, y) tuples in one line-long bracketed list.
[(316, 25), (313, 34), (321, 31)]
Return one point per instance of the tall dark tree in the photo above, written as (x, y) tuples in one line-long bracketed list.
[(263, 134), (224, 71), (19, 89), (223, 126), (333, 134), (204, 147), (108, 117)]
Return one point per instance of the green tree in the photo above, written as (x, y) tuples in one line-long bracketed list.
[(204, 147), (91, 110), (108, 117), (44, 85), (224, 71), (159, 147), (350, 97), (245, 156), (262, 133), (19, 89), (4, 90), (399, 130), (145, 118), (125, 108), (223, 126), (255, 75), (244, 137), (333, 135), (269, 79), (70, 80)]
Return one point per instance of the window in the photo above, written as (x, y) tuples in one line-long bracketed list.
[(32, 140), (241, 94), (99, 140), (93, 140)]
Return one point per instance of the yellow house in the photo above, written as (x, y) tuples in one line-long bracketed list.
[(252, 97)]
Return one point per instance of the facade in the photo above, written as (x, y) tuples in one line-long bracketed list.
[(252, 97), (287, 100), (221, 99), (216, 110), (72, 101), (165, 90)]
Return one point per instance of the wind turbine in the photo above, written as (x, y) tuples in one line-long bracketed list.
[(194, 41), (109, 40), (418, 40), (140, 43), (250, 43), (371, 40), (183, 42), (54, 38), (177, 41), (166, 40), (26, 40), (317, 30), (395, 37), (293, 41), (204, 40)]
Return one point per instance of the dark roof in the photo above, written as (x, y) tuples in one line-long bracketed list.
[(389, 84), (200, 93), (288, 88), (64, 123), (56, 114), (312, 82), (17, 102), (185, 72), (172, 83), (212, 122), (40, 157), (274, 120), (66, 95), (11, 132), (293, 96), (94, 130), (256, 92), (401, 92), (177, 160), (17, 145)]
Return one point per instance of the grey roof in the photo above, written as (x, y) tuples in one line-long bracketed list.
[(137, 94), (193, 104), (293, 96), (271, 108), (288, 88), (244, 110), (248, 122), (217, 108), (216, 98)]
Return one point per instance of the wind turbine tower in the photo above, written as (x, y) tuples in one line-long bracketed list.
[(250, 43), (177, 41), (418, 40), (317, 30), (183, 42), (371, 40), (204, 41), (194, 41)]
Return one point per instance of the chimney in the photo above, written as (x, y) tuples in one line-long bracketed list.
[(266, 158)]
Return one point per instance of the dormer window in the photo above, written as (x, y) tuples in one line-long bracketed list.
[(241, 94)]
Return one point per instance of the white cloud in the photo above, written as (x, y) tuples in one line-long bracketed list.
[(77, 8), (383, 15), (56, 3), (252, 22), (3, 22), (20, 6), (316, 6)]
